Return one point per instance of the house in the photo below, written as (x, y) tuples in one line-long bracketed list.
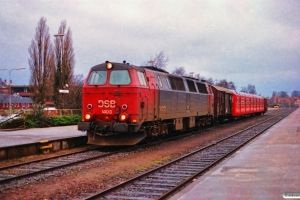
[(21, 90), (20, 96), (17, 102)]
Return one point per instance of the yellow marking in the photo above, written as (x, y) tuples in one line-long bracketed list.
[(46, 147)]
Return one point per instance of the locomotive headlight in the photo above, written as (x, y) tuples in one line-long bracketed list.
[(109, 65), (87, 117), (123, 117)]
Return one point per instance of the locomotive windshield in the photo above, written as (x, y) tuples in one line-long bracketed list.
[(97, 78), (119, 77)]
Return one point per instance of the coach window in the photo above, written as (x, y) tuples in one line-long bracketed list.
[(142, 79), (119, 77), (97, 78)]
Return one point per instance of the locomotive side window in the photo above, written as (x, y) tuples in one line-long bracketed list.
[(159, 81), (97, 78), (185, 85), (176, 83), (191, 86), (201, 88), (172, 83), (119, 77), (142, 79), (179, 84), (168, 81)]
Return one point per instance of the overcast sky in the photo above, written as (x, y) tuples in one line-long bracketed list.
[(245, 41)]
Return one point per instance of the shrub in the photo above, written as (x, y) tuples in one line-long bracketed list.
[(14, 123), (65, 120), (37, 118)]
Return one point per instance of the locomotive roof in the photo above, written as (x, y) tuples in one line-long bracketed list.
[(115, 66), (155, 69)]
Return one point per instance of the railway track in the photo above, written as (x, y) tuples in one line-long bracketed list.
[(46, 165), (165, 180), (43, 168)]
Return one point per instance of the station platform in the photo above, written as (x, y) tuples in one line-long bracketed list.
[(34, 135), (266, 168)]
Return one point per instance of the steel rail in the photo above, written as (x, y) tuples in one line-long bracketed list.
[(161, 193), (43, 169), (12, 177)]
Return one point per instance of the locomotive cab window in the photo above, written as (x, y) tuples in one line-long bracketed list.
[(97, 78), (142, 79), (119, 77), (201, 88)]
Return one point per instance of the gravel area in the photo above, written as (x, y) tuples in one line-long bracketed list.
[(76, 182)]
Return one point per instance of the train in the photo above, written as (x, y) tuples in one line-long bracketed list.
[(124, 104)]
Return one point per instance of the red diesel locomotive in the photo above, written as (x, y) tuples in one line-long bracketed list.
[(123, 104)]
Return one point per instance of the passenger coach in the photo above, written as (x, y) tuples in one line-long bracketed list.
[(231, 104)]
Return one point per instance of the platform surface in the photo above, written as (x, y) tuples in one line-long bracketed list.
[(266, 168), (26, 136)]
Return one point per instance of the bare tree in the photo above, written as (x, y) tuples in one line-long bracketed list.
[(159, 61), (225, 84), (282, 94), (251, 89), (244, 89), (231, 85), (41, 62), (179, 71), (210, 81), (295, 93), (74, 101), (65, 62)]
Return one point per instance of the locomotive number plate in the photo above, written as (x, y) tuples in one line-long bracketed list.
[(106, 111)]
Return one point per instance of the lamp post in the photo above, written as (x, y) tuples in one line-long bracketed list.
[(9, 71)]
